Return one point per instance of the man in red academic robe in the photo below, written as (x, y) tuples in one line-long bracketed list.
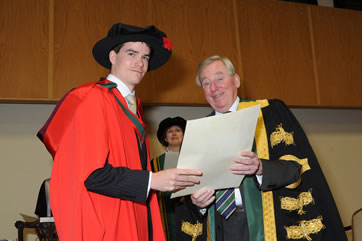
[(101, 186)]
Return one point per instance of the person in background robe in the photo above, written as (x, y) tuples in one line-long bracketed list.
[(170, 134)]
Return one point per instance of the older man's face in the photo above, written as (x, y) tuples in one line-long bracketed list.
[(219, 86)]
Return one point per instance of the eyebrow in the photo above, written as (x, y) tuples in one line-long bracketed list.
[(137, 52), (217, 73)]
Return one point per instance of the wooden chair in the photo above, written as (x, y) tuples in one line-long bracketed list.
[(45, 231), (357, 225)]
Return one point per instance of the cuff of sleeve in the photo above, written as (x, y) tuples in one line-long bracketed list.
[(259, 178), (149, 184)]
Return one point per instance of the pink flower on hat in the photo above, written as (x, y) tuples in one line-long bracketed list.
[(167, 44)]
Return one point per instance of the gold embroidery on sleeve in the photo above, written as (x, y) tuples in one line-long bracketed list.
[(280, 135), (291, 204), (304, 229), (194, 230)]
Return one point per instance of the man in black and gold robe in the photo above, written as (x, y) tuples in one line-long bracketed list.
[(284, 195)]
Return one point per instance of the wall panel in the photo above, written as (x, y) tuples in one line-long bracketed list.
[(338, 36), (276, 51), (24, 49), (309, 56)]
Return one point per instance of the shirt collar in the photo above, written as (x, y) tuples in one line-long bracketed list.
[(233, 107), (120, 85)]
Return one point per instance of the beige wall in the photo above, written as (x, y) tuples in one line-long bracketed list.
[(336, 136)]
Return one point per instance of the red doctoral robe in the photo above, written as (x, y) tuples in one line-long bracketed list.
[(85, 130)]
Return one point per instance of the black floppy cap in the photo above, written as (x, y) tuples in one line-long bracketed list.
[(167, 123), (161, 47)]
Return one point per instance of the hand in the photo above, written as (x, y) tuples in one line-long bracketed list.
[(203, 197), (174, 179), (247, 164)]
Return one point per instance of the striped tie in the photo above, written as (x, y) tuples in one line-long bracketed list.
[(225, 202)]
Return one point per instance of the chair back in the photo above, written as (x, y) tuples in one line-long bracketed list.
[(357, 225)]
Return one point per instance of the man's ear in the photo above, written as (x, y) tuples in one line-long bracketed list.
[(112, 56), (237, 80)]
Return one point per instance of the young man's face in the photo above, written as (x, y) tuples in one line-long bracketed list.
[(220, 87), (130, 64)]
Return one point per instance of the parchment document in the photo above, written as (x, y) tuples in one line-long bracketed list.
[(211, 143)]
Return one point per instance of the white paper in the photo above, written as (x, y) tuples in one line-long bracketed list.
[(211, 143), (171, 160)]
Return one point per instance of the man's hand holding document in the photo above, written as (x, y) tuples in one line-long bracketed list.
[(211, 143)]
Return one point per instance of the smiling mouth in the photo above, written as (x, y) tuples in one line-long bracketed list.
[(217, 96)]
